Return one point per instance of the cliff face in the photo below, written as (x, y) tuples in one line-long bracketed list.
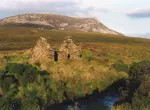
[(58, 22)]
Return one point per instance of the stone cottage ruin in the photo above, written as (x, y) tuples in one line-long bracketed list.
[(43, 51), (69, 50)]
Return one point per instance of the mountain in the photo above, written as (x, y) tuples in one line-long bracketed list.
[(58, 22)]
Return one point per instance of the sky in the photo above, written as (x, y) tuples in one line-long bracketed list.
[(125, 16)]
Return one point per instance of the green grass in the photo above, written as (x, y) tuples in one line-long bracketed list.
[(137, 92)]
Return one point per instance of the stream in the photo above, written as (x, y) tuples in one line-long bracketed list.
[(96, 101)]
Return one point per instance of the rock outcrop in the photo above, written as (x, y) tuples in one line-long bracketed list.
[(69, 50), (41, 51)]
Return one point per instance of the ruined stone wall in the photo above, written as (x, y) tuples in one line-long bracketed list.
[(69, 48), (41, 51)]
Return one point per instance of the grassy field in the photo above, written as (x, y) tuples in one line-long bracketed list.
[(105, 59), (105, 48), (22, 37)]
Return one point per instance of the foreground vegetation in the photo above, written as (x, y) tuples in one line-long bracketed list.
[(136, 95), (25, 86)]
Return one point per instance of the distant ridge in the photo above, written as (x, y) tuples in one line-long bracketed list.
[(58, 22)]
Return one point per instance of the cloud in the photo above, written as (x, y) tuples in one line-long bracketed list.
[(67, 7), (16, 4), (13, 7), (87, 5), (139, 13), (95, 5)]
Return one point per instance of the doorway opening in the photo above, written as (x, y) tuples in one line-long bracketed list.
[(68, 57), (55, 55)]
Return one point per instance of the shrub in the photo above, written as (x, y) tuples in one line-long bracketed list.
[(26, 75), (6, 101), (88, 55), (31, 102), (26, 57), (141, 100), (138, 88), (14, 68), (125, 106), (121, 67), (138, 70)]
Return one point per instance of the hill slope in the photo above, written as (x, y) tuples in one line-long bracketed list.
[(58, 22)]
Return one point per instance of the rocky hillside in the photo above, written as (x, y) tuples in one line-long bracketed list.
[(58, 22)]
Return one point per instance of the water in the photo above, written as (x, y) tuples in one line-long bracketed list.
[(100, 101), (96, 101)]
